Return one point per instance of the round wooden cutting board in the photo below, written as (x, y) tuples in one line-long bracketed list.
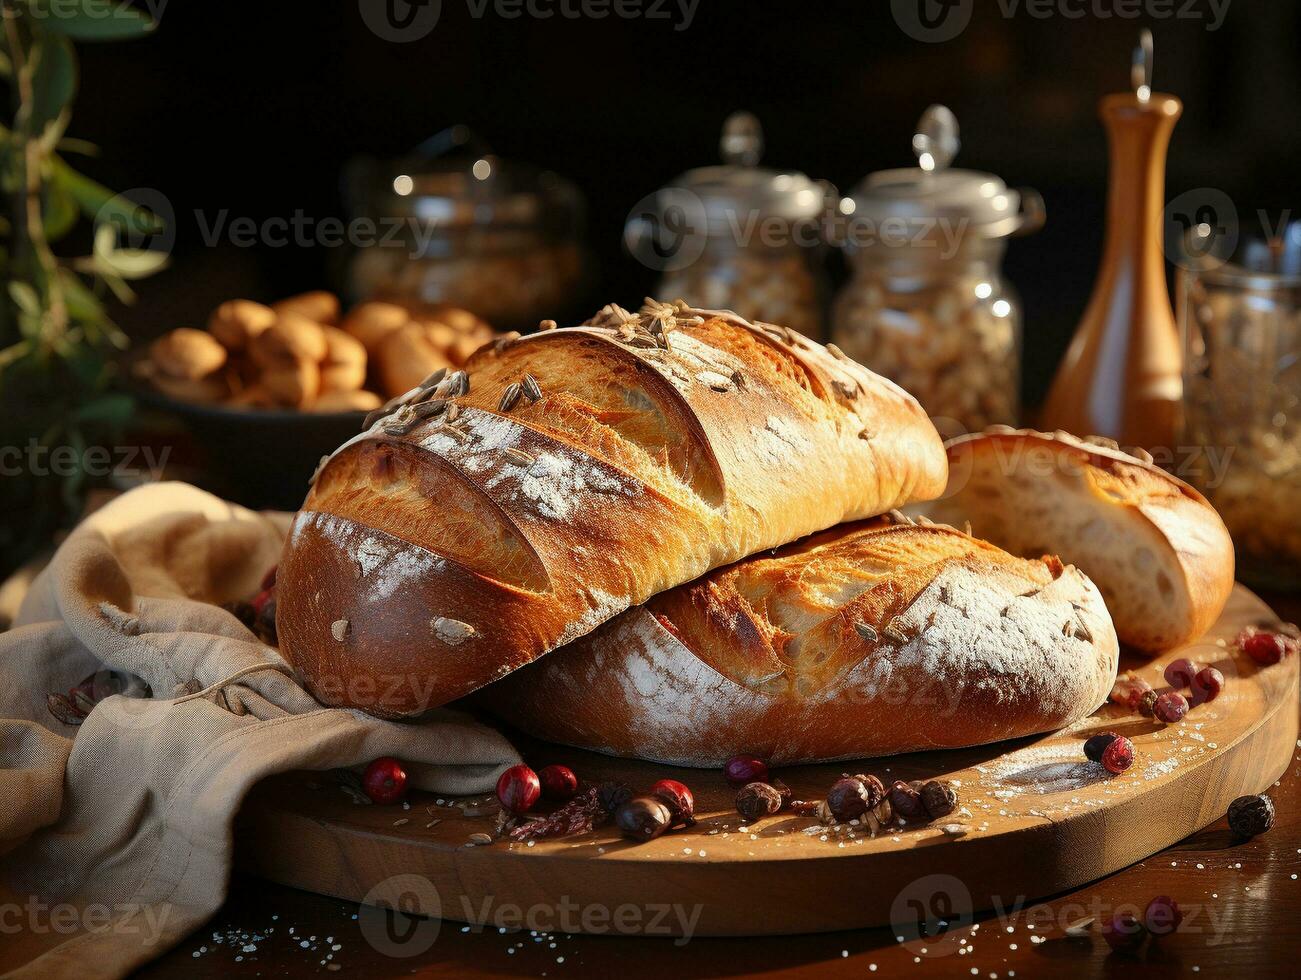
[(1035, 818)]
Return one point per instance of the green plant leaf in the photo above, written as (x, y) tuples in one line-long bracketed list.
[(26, 297), (102, 204), (112, 410), (59, 212), (83, 304), (91, 20), (54, 79), (126, 263)]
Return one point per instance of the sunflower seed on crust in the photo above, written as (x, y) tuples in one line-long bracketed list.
[(339, 629), (430, 408), (519, 457), (510, 396), (532, 390), (867, 632), (433, 379)]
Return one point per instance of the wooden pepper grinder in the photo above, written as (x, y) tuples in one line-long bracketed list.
[(1122, 374)]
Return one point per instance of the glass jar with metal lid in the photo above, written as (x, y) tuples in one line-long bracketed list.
[(457, 225), (927, 305), (738, 236), (1239, 314)]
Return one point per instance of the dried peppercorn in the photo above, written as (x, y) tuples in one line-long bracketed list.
[(1097, 744), (757, 800), (1251, 815), (939, 799), (907, 802)]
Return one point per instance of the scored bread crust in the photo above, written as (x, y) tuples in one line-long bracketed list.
[(431, 560), (1158, 551), (869, 639)]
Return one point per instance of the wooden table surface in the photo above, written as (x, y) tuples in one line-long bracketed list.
[(1242, 903)]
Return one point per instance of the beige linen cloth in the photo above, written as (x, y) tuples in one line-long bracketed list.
[(115, 836)]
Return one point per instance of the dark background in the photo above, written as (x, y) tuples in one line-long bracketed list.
[(255, 107)]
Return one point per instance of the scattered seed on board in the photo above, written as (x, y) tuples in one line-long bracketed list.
[(510, 396), (954, 830), (532, 390), (480, 839), (1079, 928), (399, 823)]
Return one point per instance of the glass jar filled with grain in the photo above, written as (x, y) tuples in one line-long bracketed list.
[(1240, 322), (739, 236), (927, 304)]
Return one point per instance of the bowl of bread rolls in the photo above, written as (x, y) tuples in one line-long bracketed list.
[(267, 389)]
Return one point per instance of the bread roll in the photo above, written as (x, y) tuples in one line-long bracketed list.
[(582, 472), (406, 356), (292, 338), (317, 306), (187, 354), (1156, 548), (295, 384), (869, 639), (370, 323), (344, 365), (236, 322), (357, 400)]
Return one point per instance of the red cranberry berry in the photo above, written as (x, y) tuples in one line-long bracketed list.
[(1179, 673), (1207, 685), (261, 599), (558, 782), (1123, 932), (1097, 744), (679, 799), (1264, 648), (742, 769), (1170, 707), (643, 818), (1119, 755), (385, 781), (518, 789), (1163, 916)]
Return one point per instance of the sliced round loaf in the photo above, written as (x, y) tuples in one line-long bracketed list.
[(1156, 548), (565, 476), (869, 639)]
